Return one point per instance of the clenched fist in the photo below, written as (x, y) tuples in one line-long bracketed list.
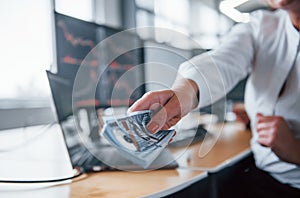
[(273, 132)]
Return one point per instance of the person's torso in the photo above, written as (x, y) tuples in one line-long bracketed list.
[(273, 88)]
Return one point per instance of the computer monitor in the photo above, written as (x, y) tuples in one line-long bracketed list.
[(77, 44), (74, 39), (123, 79)]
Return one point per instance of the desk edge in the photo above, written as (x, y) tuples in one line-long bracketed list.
[(177, 188)]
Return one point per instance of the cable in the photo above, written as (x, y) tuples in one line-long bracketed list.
[(78, 173)]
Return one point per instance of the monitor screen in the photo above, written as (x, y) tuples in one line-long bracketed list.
[(122, 81), (119, 83), (74, 40)]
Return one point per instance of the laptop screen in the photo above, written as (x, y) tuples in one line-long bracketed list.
[(61, 89)]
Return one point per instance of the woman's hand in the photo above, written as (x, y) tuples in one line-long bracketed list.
[(273, 132), (169, 106)]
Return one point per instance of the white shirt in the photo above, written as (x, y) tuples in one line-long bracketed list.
[(267, 49)]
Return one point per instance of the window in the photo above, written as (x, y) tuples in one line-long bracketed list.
[(81, 9), (25, 52), (186, 16), (170, 14)]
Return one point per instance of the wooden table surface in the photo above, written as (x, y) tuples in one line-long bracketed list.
[(134, 184), (226, 143), (223, 147)]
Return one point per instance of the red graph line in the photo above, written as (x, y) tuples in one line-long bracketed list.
[(74, 61), (73, 40)]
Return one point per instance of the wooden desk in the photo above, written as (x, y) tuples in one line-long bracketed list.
[(135, 184), (232, 142), (111, 184), (230, 145)]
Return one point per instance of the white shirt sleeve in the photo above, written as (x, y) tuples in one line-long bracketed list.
[(218, 71)]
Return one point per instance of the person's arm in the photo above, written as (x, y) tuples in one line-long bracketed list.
[(208, 77), (273, 132), (218, 71)]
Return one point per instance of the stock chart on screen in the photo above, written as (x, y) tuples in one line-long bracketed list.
[(76, 45)]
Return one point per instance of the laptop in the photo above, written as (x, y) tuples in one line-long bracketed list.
[(81, 129)]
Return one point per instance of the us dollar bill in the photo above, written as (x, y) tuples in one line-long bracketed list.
[(130, 136)]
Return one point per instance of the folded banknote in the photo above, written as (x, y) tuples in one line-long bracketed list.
[(131, 137)]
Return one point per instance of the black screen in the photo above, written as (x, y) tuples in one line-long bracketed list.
[(75, 39), (61, 89)]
